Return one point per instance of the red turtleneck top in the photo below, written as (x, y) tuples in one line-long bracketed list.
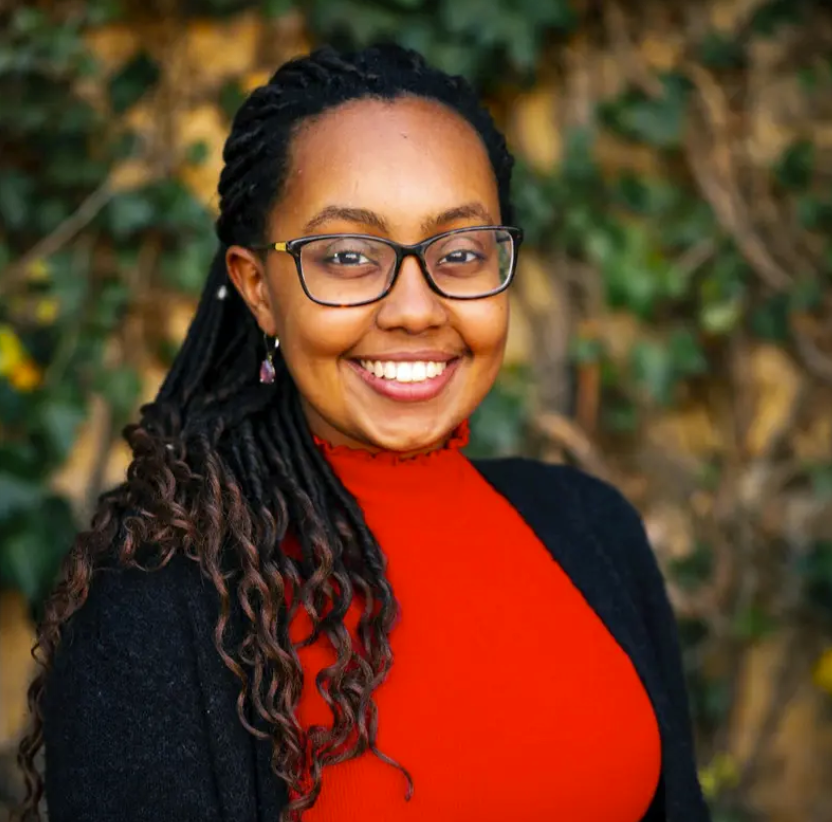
[(508, 699)]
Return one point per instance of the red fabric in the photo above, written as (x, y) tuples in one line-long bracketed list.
[(508, 698)]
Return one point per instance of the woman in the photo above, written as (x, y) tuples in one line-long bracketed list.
[(346, 619)]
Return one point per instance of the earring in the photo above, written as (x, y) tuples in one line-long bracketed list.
[(267, 372)]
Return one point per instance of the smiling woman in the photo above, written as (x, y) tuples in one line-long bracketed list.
[(377, 178), (347, 619)]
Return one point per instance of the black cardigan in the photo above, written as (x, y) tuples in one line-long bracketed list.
[(140, 712)]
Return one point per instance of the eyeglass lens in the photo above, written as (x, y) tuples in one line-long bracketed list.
[(349, 269)]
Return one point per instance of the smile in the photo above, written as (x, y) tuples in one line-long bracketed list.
[(407, 380), (418, 371)]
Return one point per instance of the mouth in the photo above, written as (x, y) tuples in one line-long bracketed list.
[(408, 380), (405, 371)]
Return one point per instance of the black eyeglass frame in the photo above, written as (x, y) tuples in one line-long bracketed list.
[(417, 250)]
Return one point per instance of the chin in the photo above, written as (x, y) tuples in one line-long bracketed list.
[(409, 439)]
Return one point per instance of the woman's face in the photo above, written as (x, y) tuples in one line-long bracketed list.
[(405, 170)]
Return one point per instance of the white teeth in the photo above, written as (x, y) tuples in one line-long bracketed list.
[(404, 371)]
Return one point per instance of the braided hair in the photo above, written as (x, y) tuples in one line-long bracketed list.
[(223, 467)]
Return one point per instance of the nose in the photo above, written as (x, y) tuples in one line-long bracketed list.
[(411, 306)]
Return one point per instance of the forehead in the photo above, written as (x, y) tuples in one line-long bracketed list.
[(405, 159)]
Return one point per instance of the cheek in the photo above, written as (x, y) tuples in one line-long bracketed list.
[(309, 333), (316, 338), (484, 327)]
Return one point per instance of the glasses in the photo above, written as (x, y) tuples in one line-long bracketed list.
[(342, 270)]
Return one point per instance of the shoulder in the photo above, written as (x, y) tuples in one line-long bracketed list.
[(574, 507), (130, 616), (126, 695), (560, 488), (126, 657)]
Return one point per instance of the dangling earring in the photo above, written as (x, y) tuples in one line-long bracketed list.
[(267, 372)]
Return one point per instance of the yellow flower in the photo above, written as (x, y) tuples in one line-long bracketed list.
[(38, 270), (720, 773), (12, 353), (15, 364), (823, 671), (26, 376), (46, 311)]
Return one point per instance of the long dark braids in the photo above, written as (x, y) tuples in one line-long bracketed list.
[(224, 467)]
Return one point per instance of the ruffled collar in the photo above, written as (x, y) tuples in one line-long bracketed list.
[(342, 455)]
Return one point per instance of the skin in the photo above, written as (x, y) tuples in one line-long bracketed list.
[(409, 164)]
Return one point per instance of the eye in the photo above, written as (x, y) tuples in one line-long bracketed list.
[(460, 257), (347, 258)]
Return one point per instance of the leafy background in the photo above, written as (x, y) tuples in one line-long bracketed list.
[(672, 317)]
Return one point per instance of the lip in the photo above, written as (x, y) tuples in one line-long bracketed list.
[(409, 391), (409, 356)]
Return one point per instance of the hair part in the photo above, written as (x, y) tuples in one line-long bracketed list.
[(224, 468)]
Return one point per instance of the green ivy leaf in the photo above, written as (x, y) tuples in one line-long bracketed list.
[(17, 195), (694, 570), (499, 423), (533, 204), (659, 121), (806, 294), (27, 21), (586, 350), (59, 420), (101, 12), (110, 304), (816, 570), (70, 287), (121, 387), (770, 320), (22, 563), (796, 165), (409, 5), (821, 479), (17, 494), (771, 16), (231, 97), (686, 354), (177, 209), (754, 623), (619, 416), (32, 549), (129, 213), (720, 52), (131, 83), (197, 153), (814, 213), (273, 9), (652, 368), (186, 268)]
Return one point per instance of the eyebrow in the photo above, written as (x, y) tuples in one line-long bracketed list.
[(365, 217), (362, 216), (469, 211)]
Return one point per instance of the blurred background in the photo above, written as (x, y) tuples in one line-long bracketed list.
[(672, 326)]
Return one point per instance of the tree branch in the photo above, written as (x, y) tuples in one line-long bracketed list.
[(89, 209)]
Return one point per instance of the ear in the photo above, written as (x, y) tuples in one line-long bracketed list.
[(247, 272)]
